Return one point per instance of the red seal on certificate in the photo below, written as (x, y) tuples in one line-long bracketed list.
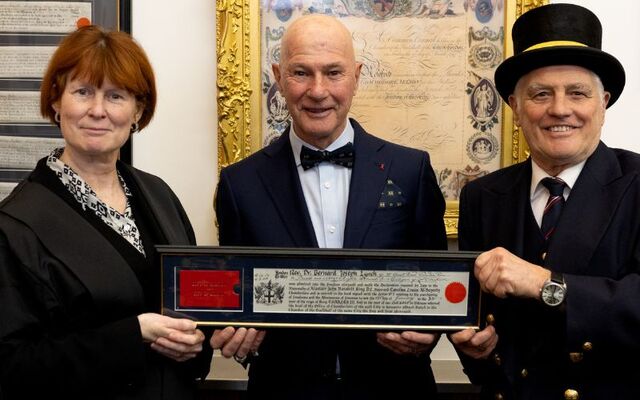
[(455, 292)]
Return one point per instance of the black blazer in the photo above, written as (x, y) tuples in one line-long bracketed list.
[(68, 326), (260, 203), (542, 352)]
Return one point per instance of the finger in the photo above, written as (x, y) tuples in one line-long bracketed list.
[(389, 345), (426, 339), (484, 337), (231, 347), (189, 338), (394, 342), (178, 347), (247, 343), (258, 341), (181, 324), (462, 337), (220, 337), (175, 355)]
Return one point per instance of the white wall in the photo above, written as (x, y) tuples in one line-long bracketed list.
[(620, 38), (180, 144)]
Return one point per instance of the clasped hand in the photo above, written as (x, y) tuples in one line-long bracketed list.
[(178, 339)]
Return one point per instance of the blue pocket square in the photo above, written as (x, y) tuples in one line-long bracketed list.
[(392, 196)]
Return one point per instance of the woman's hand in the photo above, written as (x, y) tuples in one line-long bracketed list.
[(178, 339)]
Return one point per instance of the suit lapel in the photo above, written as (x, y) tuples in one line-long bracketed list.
[(588, 211), (507, 201), (160, 207), (76, 243), (279, 176), (368, 178)]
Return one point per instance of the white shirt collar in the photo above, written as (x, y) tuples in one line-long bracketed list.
[(296, 143), (569, 176)]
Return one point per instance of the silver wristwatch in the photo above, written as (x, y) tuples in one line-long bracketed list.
[(554, 291)]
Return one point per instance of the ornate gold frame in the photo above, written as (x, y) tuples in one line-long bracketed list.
[(238, 82)]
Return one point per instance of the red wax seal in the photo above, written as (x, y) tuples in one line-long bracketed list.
[(455, 292), (84, 21)]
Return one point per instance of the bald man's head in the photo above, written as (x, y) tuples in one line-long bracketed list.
[(320, 28), (318, 76)]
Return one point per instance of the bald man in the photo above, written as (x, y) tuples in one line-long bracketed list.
[(283, 197)]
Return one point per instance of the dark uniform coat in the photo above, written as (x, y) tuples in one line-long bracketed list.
[(590, 344)]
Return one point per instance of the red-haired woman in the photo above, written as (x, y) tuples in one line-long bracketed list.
[(79, 279)]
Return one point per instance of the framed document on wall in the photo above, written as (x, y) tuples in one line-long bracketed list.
[(29, 33), (426, 80)]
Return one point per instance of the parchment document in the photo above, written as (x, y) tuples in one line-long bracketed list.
[(42, 16), (329, 291), (24, 152), (20, 107), (412, 83), (24, 61), (6, 188)]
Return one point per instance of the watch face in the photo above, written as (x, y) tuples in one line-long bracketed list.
[(553, 293)]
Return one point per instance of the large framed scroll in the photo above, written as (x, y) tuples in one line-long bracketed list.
[(426, 82), (321, 288), (29, 33)]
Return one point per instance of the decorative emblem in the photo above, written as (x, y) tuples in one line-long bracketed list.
[(482, 147), (484, 11), (382, 7), (269, 293), (277, 115), (484, 102), (467, 175), (283, 9), (482, 52)]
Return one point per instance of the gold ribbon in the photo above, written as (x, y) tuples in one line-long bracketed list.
[(555, 43)]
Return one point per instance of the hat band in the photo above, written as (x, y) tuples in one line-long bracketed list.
[(554, 43)]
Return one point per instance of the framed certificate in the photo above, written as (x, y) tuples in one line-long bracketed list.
[(321, 288), (426, 80)]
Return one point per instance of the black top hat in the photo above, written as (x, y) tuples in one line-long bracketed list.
[(559, 34)]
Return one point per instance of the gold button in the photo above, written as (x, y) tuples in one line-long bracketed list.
[(544, 255), (576, 357), (571, 394), (490, 319), (587, 346), (499, 396), (524, 373), (497, 359)]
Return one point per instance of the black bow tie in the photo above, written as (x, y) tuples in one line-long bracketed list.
[(342, 156)]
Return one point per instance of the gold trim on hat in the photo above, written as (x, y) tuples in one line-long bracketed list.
[(554, 43)]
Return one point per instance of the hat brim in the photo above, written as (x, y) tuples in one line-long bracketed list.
[(607, 67)]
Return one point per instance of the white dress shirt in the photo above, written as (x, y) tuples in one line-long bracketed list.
[(540, 194), (326, 190)]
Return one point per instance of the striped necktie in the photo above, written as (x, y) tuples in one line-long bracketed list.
[(553, 209)]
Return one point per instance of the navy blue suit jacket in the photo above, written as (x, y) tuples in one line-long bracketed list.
[(260, 202), (541, 351)]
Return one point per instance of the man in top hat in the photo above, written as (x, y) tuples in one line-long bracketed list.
[(561, 231), (328, 183)]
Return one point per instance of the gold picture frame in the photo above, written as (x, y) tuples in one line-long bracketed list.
[(239, 87)]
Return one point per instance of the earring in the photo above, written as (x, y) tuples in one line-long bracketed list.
[(134, 127), (57, 118)]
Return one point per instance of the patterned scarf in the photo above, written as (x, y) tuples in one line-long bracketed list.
[(124, 224)]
